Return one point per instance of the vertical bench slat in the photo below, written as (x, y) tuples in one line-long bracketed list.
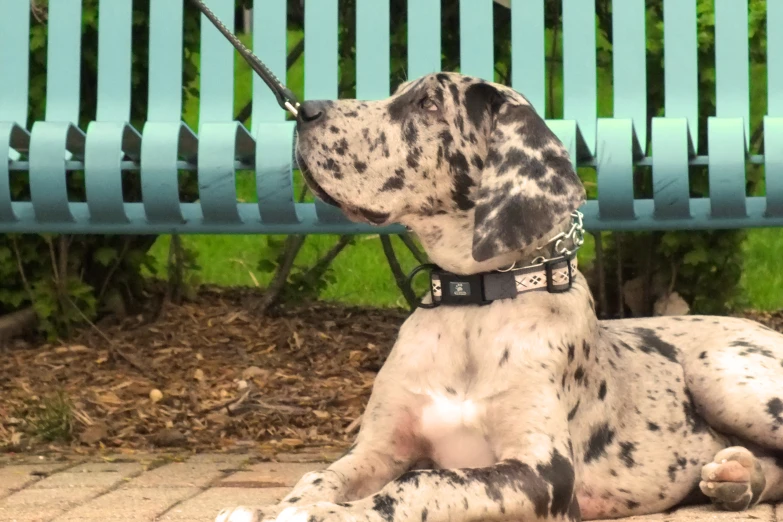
[(670, 153), (270, 37), (680, 75), (51, 139), (726, 158), (614, 152), (732, 75), (274, 136), (164, 91), (14, 70), (63, 60), (373, 56), (114, 60), (579, 67), (14, 61), (773, 122), (216, 88), (528, 53), (476, 40), (726, 163), (110, 134), (221, 138), (629, 65), (424, 38), (321, 68), (164, 136)]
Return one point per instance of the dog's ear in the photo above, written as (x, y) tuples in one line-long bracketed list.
[(528, 185)]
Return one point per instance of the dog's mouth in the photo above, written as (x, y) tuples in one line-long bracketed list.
[(317, 189), (357, 214)]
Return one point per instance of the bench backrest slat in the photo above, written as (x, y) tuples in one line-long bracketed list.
[(165, 61), (14, 61), (114, 60), (373, 57), (321, 67), (216, 87), (424, 38), (270, 39), (681, 63), (579, 67), (63, 60), (775, 58), (732, 75), (477, 51), (629, 64), (528, 51)]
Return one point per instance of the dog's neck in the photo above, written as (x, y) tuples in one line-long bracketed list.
[(448, 241)]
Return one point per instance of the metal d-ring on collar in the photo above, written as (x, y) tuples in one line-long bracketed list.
[(285, 98), (475, 288)]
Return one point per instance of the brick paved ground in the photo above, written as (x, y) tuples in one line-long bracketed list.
[(194, 489)]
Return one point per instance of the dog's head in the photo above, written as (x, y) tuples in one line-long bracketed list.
[(467, 164)]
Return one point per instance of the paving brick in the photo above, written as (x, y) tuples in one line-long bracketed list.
[(19, 476), (270, 475), (97, 474), (181, 474), (232, 460), (43, 504), (762, 513), (135, 505), (205, 506)]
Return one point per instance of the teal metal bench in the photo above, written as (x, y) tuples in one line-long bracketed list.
[(220, 146)]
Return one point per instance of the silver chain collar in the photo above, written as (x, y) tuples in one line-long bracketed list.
[(575, 236)]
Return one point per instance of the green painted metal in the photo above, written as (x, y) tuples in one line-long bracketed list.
[(53, 148)]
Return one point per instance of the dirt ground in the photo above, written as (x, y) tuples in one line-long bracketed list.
[(207, 375)]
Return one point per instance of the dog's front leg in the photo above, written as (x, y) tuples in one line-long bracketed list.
[(385, 448)]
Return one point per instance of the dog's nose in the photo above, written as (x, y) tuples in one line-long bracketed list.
[(312, 111)]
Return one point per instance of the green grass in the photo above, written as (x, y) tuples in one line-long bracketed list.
[(362, 275)]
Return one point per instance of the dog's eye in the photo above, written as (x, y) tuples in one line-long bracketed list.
[(429, 105)]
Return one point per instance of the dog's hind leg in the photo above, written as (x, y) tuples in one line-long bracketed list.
[(735, 377), (738, 479)]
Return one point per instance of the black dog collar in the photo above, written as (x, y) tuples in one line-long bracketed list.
[(554, 275)]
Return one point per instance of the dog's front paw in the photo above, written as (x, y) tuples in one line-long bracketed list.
[(734, 480), (239, 514), (321, 511)]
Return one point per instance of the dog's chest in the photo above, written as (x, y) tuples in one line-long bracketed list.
[(452, 428)]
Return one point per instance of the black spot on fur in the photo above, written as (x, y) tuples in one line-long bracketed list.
[(333, 129), (393, 183), (424, 514), (571, 349), (775, 408), (560, 474), (652, 426), (573, 411), (360, 166), (601, 437), (695, 421), (504, 359), (579, 374), (602, 390), (626, 453), (410, 135), (293, 500), (385, 505), (586, 349), (650, 342), (632, 504), (480, 98), (450, 390), (703, 355)]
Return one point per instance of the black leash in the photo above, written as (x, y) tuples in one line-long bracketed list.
[(285, 98)]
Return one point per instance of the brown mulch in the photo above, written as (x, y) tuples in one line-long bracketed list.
[(206, 375)]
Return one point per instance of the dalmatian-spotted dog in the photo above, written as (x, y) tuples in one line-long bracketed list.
[(528, 407)]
